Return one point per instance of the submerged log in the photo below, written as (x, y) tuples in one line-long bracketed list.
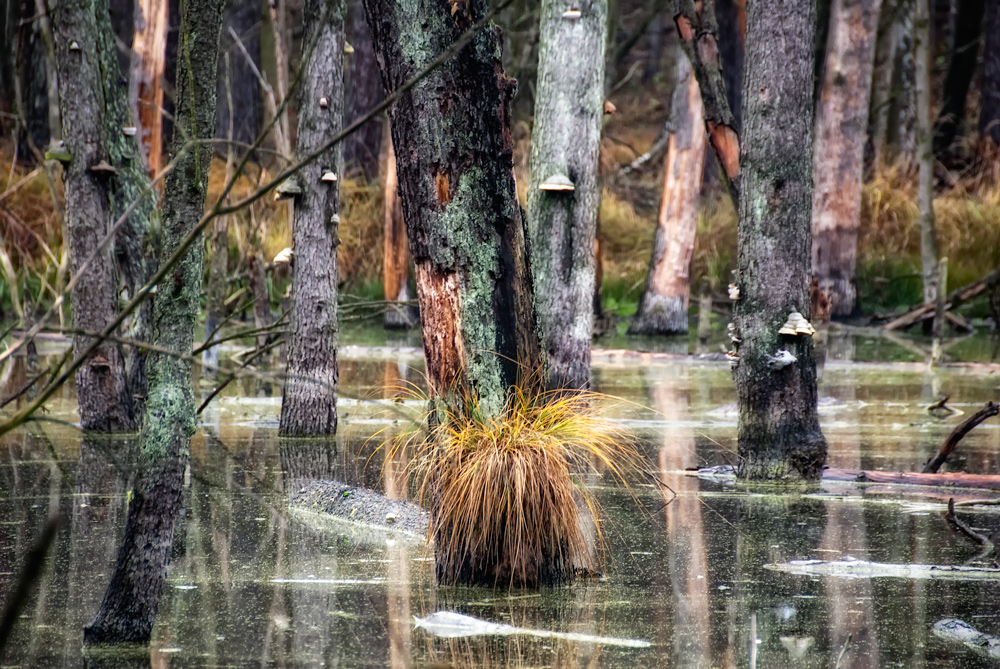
[(953, 629), (850, 568), (954, 299), (951, 480)]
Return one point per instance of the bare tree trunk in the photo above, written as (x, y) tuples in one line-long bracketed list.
[(961, 66), (562, 224), (396, 254), (309, 399), (841, 124), (103, 177), (778, 434), (149, 60), (128, 610), (31, 79), (989, 104), (900, 132), (925, 178), (886, 43), (663, 306), (364, 91), (457, 186), (257, 280)]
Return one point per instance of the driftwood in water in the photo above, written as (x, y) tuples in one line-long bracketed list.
[(864, 569), (955, 298), (950, 480), (958, 434), (953, 629)]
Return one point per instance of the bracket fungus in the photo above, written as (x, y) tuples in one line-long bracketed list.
[(284, 255), (328, 175), (557, 182), (734, 292), (780, 360), (290, 187), (572, 14), (734, 358), (57, 150), (797, 325), (74, 46), (324, 103), (130, 131), (103, 168), (731, 331)]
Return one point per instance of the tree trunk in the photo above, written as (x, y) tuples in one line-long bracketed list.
[(239, 79), (309, 399), (395, 255), (989, 105), (925, 147), (457, 186), (663, 306), (901, 124), (257, 280), (149, 59), (961, 66), (104, 176), (778, 433), (562, 224), (30, 78), (886, 43), (129, 607), (361, 150), (841, 124)]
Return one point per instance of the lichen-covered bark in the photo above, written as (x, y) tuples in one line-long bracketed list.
[(129, 607), (395, 255), (663, 306), (841, 125), (565, 140), (309, 399), (454, 157), (989, 104), (778, 433), (94, 109)]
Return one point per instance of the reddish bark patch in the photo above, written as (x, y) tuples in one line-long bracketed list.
[(726, 143), (440, 319), (684, 28), (443, 189)]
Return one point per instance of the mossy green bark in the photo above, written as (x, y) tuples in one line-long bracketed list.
[(128, 610), (454, 158)]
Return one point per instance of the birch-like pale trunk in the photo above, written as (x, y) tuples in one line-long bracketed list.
[(841, 124), (925, 151), (309, 399), (663, 306), (565, 140), (395, 254)]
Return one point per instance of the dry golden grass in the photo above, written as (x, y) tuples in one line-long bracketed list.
[(507, 506)]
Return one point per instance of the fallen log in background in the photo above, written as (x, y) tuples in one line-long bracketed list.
[(958, 434), (948, 480)]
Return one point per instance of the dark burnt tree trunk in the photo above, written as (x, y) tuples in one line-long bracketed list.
[(395, 255), (841, 126), (778, 435), (364, 91), (961, 66), (239, 80), (129, 607), (309, 399), (104, 176), (9, 21), (732, 20), (989, 103), (562, 224), (455, 161), (30, 78), (663, 306)]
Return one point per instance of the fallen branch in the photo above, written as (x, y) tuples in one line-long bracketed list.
[(958, 434), (954, 299), (986, 546), (849, 568), (953, 629)]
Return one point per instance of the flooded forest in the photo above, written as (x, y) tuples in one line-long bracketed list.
[(406, 333)]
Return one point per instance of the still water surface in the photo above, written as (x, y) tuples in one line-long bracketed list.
[(253, 583)]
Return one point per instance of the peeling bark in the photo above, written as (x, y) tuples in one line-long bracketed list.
[(396, 255), (663, 306), (841, 123), (562, 225), (94, 110), (455, 160), (128, 610), (149, 60), (309, 399), (778, 431)]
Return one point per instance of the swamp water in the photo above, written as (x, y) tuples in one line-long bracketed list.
[(254, 583)]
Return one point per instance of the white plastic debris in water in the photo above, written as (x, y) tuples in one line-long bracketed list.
[(451, 625)]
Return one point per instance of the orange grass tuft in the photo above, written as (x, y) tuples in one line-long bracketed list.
[(507, 503)]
